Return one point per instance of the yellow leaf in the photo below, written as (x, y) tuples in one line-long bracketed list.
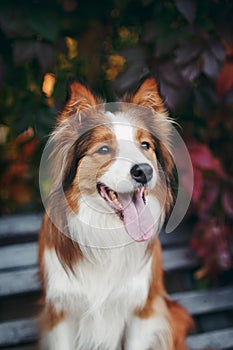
[(72, 45), (48, 84)]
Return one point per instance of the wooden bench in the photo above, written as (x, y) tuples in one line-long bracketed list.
[(212, 309)]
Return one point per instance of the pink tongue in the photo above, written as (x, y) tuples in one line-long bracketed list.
[(138, 221)]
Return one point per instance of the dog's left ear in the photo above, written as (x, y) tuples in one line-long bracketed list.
[(147, 95), (79, 98)]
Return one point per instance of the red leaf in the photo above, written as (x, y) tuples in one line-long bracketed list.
[(225, 79), (208, 198), (201, 156), (229, 48), (17, 169), (210, 241), (30, 147), (25, 136), (211, 192), (203, 159), (198, 185), (227, 200)]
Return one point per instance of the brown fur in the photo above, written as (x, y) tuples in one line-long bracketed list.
[(157, 284), (158, 302), (51, 317), (67, 250), (181, 323)]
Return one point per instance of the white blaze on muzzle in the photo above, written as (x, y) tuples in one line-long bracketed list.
[(123, 185)]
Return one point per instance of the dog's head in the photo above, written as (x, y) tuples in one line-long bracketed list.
[(113, 160)]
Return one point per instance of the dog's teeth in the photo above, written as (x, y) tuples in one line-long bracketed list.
[(116, 202), (112, 195)]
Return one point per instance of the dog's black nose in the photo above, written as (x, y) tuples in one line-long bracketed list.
[(141, 173)]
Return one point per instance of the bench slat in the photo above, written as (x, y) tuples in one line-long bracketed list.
[(18, 255), (199, 302), (15, 226), (22, 255), (19, 225), (221, 339), (25, 331), (211, 300), (24, 258), (22, 281), (18, 332), (178, 258)]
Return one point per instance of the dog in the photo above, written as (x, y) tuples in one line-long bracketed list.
[(99, 253)]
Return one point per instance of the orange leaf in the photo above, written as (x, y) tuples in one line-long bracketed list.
[(225, 79), (26, 135), (29, 148), (20, 193)]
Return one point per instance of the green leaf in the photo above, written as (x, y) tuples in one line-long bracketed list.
[(44, 25)]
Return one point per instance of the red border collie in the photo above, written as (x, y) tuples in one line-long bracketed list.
[(100, 257)]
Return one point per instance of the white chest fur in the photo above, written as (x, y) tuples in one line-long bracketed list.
[(99, 299)]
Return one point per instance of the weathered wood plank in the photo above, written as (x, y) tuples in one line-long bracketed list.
[(23, 347), (22, 281), (19, 225), (15, 226), (18, 255), (220, 339), (25, 331), (178, 258), (18, 332), (23, 255), (24, 258), (210, 300), (198, 302)]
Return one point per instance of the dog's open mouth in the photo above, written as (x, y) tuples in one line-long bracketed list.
[(132, 209)]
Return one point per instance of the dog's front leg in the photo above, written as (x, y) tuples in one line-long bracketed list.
[(57, 338), (150, 333)]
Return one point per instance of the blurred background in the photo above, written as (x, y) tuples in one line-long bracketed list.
[(187, 44)]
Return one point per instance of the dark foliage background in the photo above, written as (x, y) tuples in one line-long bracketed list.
[(188, 44)]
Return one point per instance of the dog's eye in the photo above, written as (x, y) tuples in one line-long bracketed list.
[(145, 145), (104, 150)]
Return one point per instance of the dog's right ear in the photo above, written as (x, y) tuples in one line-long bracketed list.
[(79, 97)]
